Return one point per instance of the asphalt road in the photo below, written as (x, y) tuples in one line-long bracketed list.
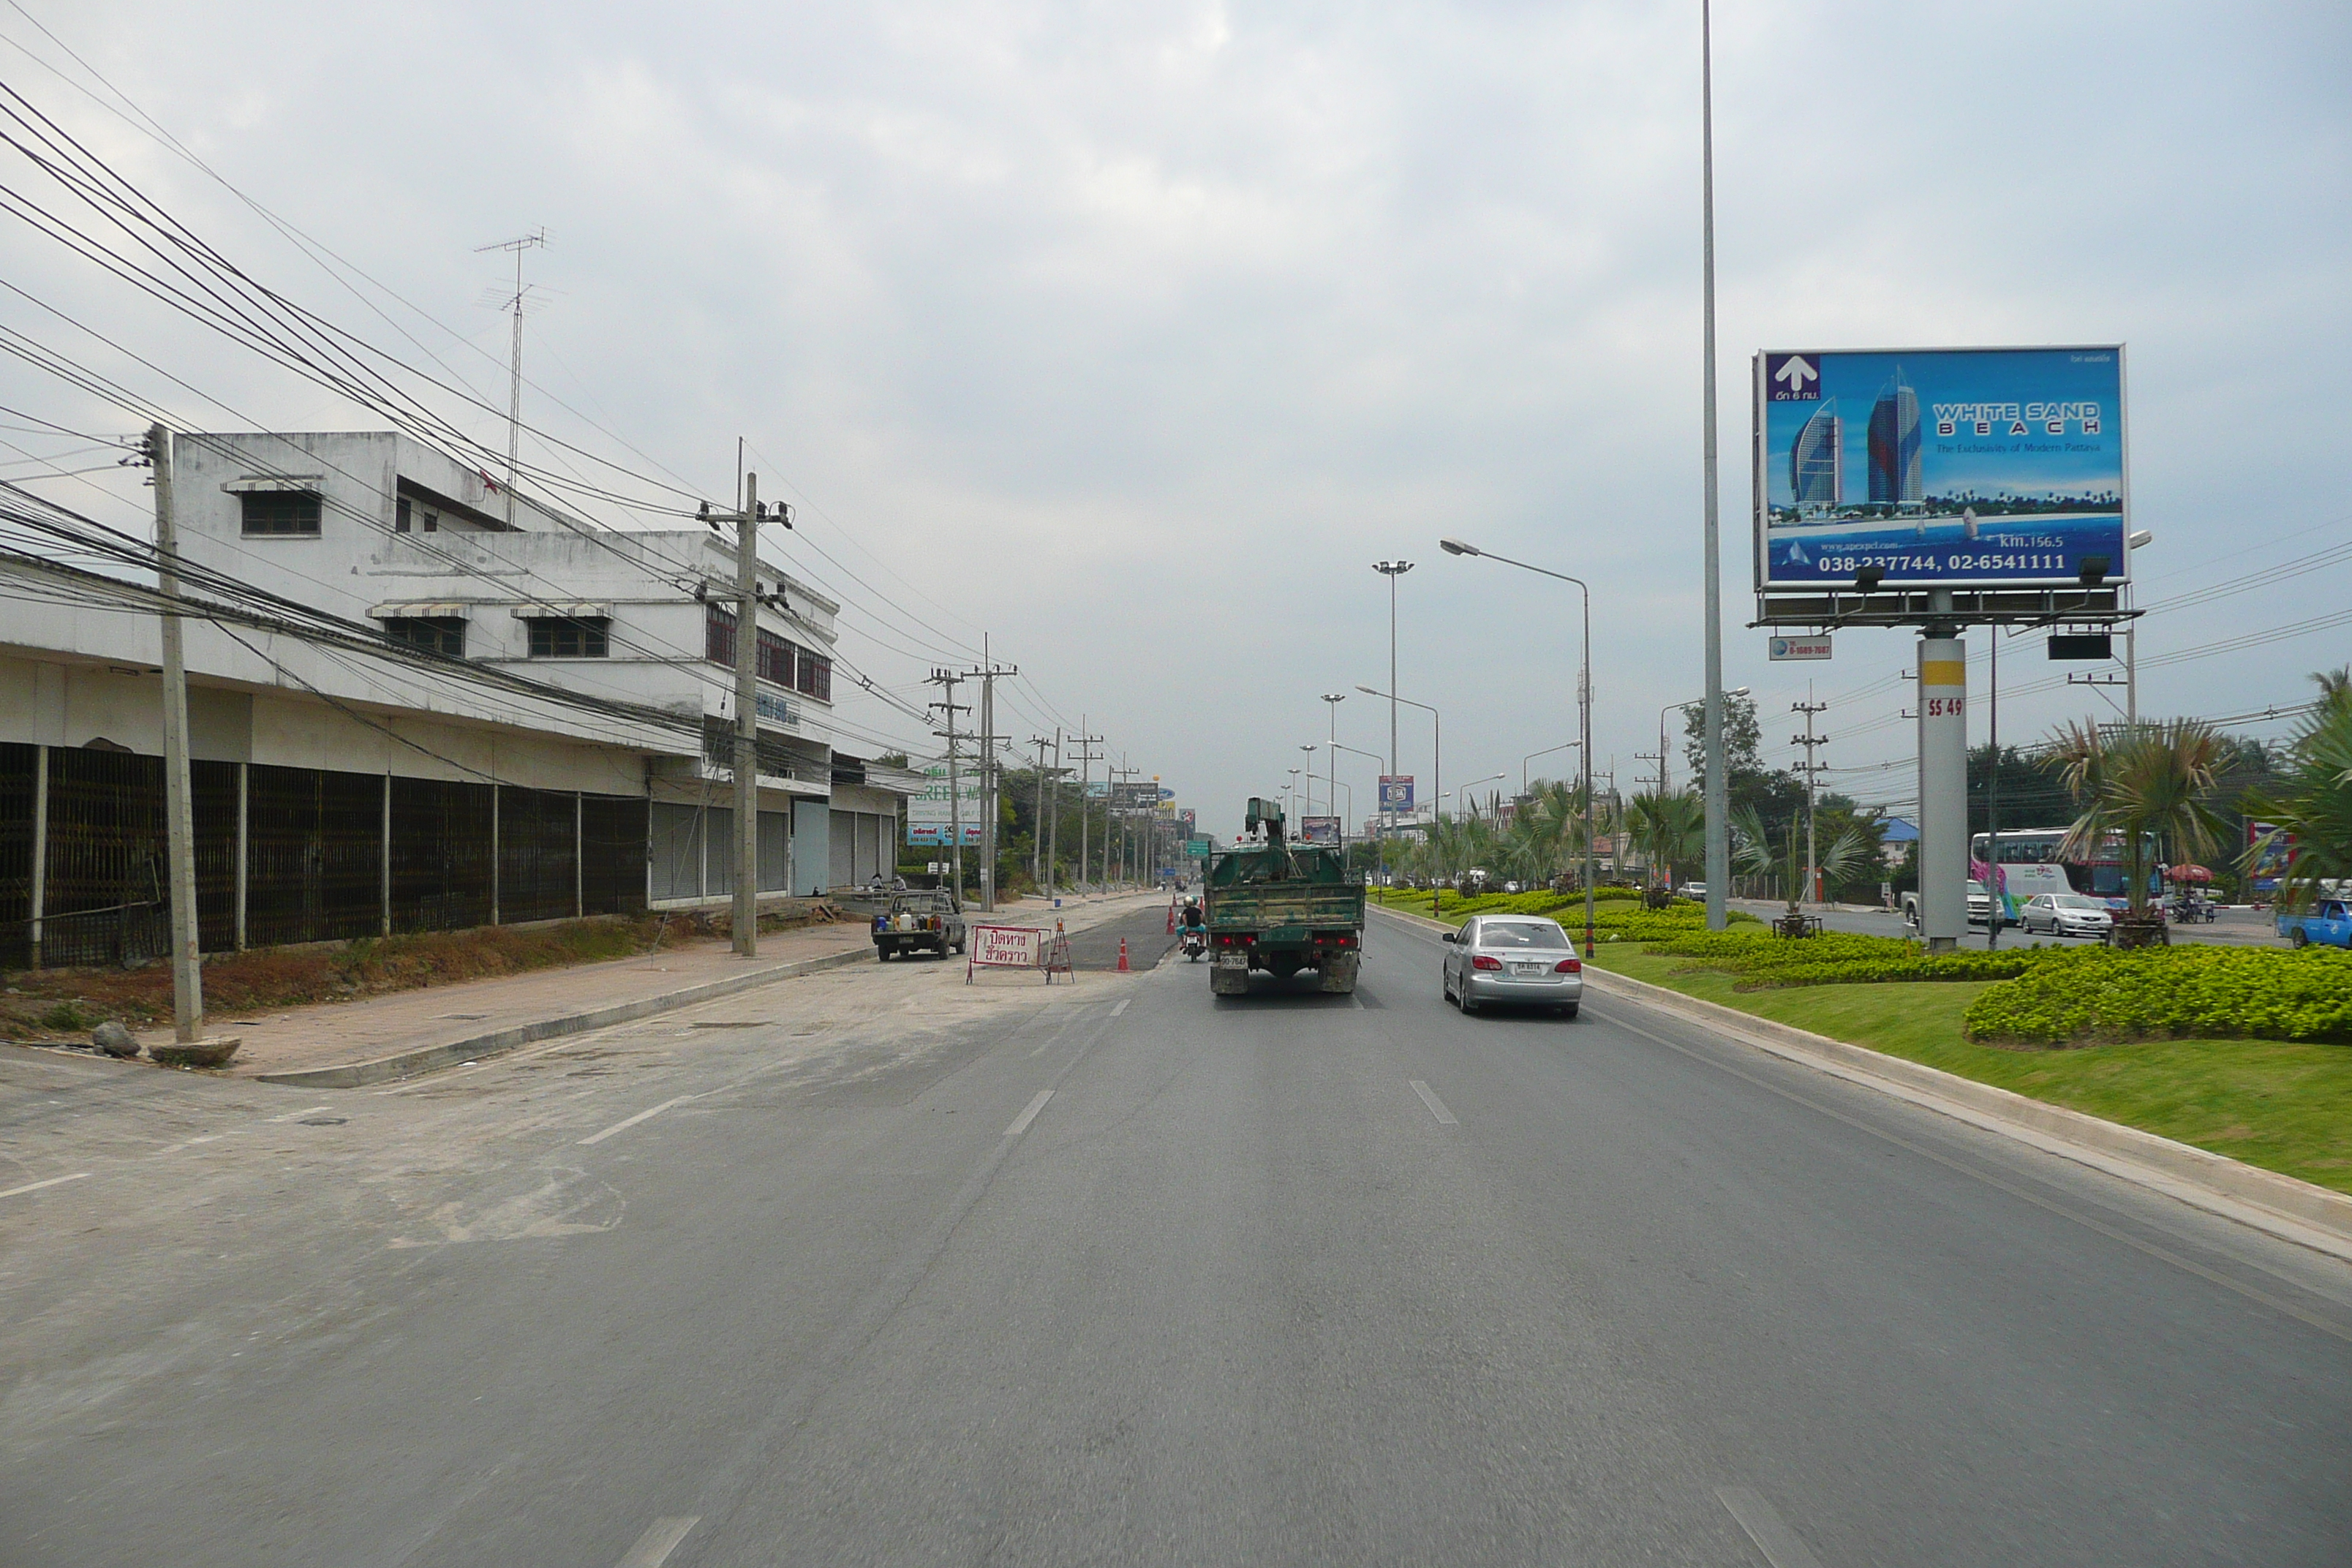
[(878, 1267)]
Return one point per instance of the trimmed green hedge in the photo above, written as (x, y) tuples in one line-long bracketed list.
[(1613, 919), (2094, 995), (1839, 958)]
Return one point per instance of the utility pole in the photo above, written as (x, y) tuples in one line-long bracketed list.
[(179, 813), (1037, 832), (1809, 708), (990, 810), (1127, 826), (947, 681), (1393, 570), (1087, 755), (1054, 825), (1719, 784), (514, 381), (747, 719)]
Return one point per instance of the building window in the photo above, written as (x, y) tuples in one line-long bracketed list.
[(775, 660), (281, 513), (719, 635), (817, 677), (555, 636), (434, 634), (400, 516)]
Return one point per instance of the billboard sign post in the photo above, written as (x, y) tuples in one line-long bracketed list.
[(1965, 468), (1396, 793)]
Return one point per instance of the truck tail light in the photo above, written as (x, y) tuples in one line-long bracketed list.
[(1480, 961), (1569, 966)]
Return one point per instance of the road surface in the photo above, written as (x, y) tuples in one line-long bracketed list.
[(878, 1267)]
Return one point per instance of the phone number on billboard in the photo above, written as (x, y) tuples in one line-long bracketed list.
[(1847, 565)]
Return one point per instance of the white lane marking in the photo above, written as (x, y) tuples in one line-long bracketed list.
[(660, 1539), (1123, 1001), (1437, 1106), (306, 1110), (624, 1125), (1775, 1540), (1020, 1122), (37, 1186)]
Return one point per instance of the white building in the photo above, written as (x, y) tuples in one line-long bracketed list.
[(340, 794)]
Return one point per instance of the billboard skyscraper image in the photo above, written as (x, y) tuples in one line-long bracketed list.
[(1977, 467), (1817, 461), (1895, 444)]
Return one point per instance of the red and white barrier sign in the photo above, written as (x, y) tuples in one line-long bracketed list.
[(1003, 947)]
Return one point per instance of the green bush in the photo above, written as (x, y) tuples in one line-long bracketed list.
[(2190, 992), (1614, 918), (1839, 958)]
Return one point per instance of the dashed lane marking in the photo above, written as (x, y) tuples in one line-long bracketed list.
[(627, 1123), (1437, 1106), (1123, 1001), (660, 1539), (37, 1186), (1774, 1538), (1020, 1122), (306, 1110)]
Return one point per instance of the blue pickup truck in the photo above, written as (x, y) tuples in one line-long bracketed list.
[(2327, 922)]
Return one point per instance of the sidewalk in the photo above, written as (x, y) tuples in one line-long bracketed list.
[(342, 1044)]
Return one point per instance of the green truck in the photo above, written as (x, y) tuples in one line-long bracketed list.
[(1280, 907)]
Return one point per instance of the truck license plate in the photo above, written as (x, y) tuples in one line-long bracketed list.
[(1233, 961)]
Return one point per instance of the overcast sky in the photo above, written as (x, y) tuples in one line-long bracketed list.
[(1131, 335)]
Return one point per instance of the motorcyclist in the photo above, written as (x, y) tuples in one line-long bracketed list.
[(1192, 919)]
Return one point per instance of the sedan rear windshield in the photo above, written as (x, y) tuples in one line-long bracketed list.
[(1521, 934)]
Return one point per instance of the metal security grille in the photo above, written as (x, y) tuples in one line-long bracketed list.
[(18, 764), (441, 859), (538, 861), (105, 884), (212, 801), (316, 844), (612, 830)]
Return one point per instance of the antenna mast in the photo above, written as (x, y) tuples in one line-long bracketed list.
[(514, 381)]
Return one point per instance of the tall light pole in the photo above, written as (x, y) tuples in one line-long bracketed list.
[(1331, 701), (1531, 756), (1584, 704), (1718, 797), (1392, 570), (1672, 707), (1308, 747), (1376, 763)]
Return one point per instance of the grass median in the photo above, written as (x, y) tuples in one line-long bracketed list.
[(2282, 1105)]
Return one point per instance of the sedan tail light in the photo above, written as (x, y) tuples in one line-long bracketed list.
[(1481, 960), (1569, 966)]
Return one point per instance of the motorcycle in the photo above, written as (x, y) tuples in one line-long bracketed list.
[(1196, 942)]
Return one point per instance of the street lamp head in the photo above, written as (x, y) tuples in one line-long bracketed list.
[(1392, 568), (1736, 691), (1458, 547), (1335, 696), (2140, 536), (1367, 692)]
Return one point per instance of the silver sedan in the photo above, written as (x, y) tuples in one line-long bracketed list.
[(1524, 960), (2066, 914)]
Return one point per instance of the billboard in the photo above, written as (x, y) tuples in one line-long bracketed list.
[(931, 815), (1318, 830), (1396, 792), (1943, 468)]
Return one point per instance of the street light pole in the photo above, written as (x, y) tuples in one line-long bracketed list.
[(1331, 701), (1531, 756), (1584, 704), (1392, 570), (1718, 797)]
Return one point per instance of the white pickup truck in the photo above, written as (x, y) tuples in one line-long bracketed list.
[(1980, 907)]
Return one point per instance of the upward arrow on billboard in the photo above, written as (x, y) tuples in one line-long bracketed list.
[(1796, 373)]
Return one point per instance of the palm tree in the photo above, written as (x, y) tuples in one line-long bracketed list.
[(1752, 851), (2148, 784), (1668, 829), (2310, 810)]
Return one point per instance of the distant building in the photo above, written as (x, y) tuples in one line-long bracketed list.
[(1817, 461), (1895, 444)]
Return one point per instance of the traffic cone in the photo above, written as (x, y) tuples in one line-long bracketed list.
[(1122, 955), (1172, 920)]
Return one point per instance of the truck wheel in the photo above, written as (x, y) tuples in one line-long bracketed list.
[(881, 952), (2298, 937)]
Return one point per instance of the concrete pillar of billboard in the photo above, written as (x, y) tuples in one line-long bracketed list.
[(1943, 789)]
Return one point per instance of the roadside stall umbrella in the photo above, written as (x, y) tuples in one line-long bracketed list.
[(2190, 874)]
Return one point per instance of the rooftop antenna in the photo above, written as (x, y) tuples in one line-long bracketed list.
[(514, 384)]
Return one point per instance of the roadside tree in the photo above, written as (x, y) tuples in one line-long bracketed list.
[(2311, 805)]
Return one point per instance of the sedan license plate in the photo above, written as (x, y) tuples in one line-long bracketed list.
[(1527, 969)]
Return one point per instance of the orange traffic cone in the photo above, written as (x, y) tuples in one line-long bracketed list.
[(1172, 920), (1122, 955)]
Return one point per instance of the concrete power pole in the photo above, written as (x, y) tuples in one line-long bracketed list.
[(948, 680), (1088, 755), (1813, 770), (747, 720), (991, 809), (179, 813)]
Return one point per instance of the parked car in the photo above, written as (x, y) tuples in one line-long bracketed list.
[(2327, 922), (917, 921), (1979, 904), (2066, 914), (1695, 891), (1514, 960)]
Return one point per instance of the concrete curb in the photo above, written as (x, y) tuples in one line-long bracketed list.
[(2297, 1211), (430, 1058)]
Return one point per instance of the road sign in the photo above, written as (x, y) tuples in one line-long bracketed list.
[(1196, 848), (1779, 649), (1948, 467)]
